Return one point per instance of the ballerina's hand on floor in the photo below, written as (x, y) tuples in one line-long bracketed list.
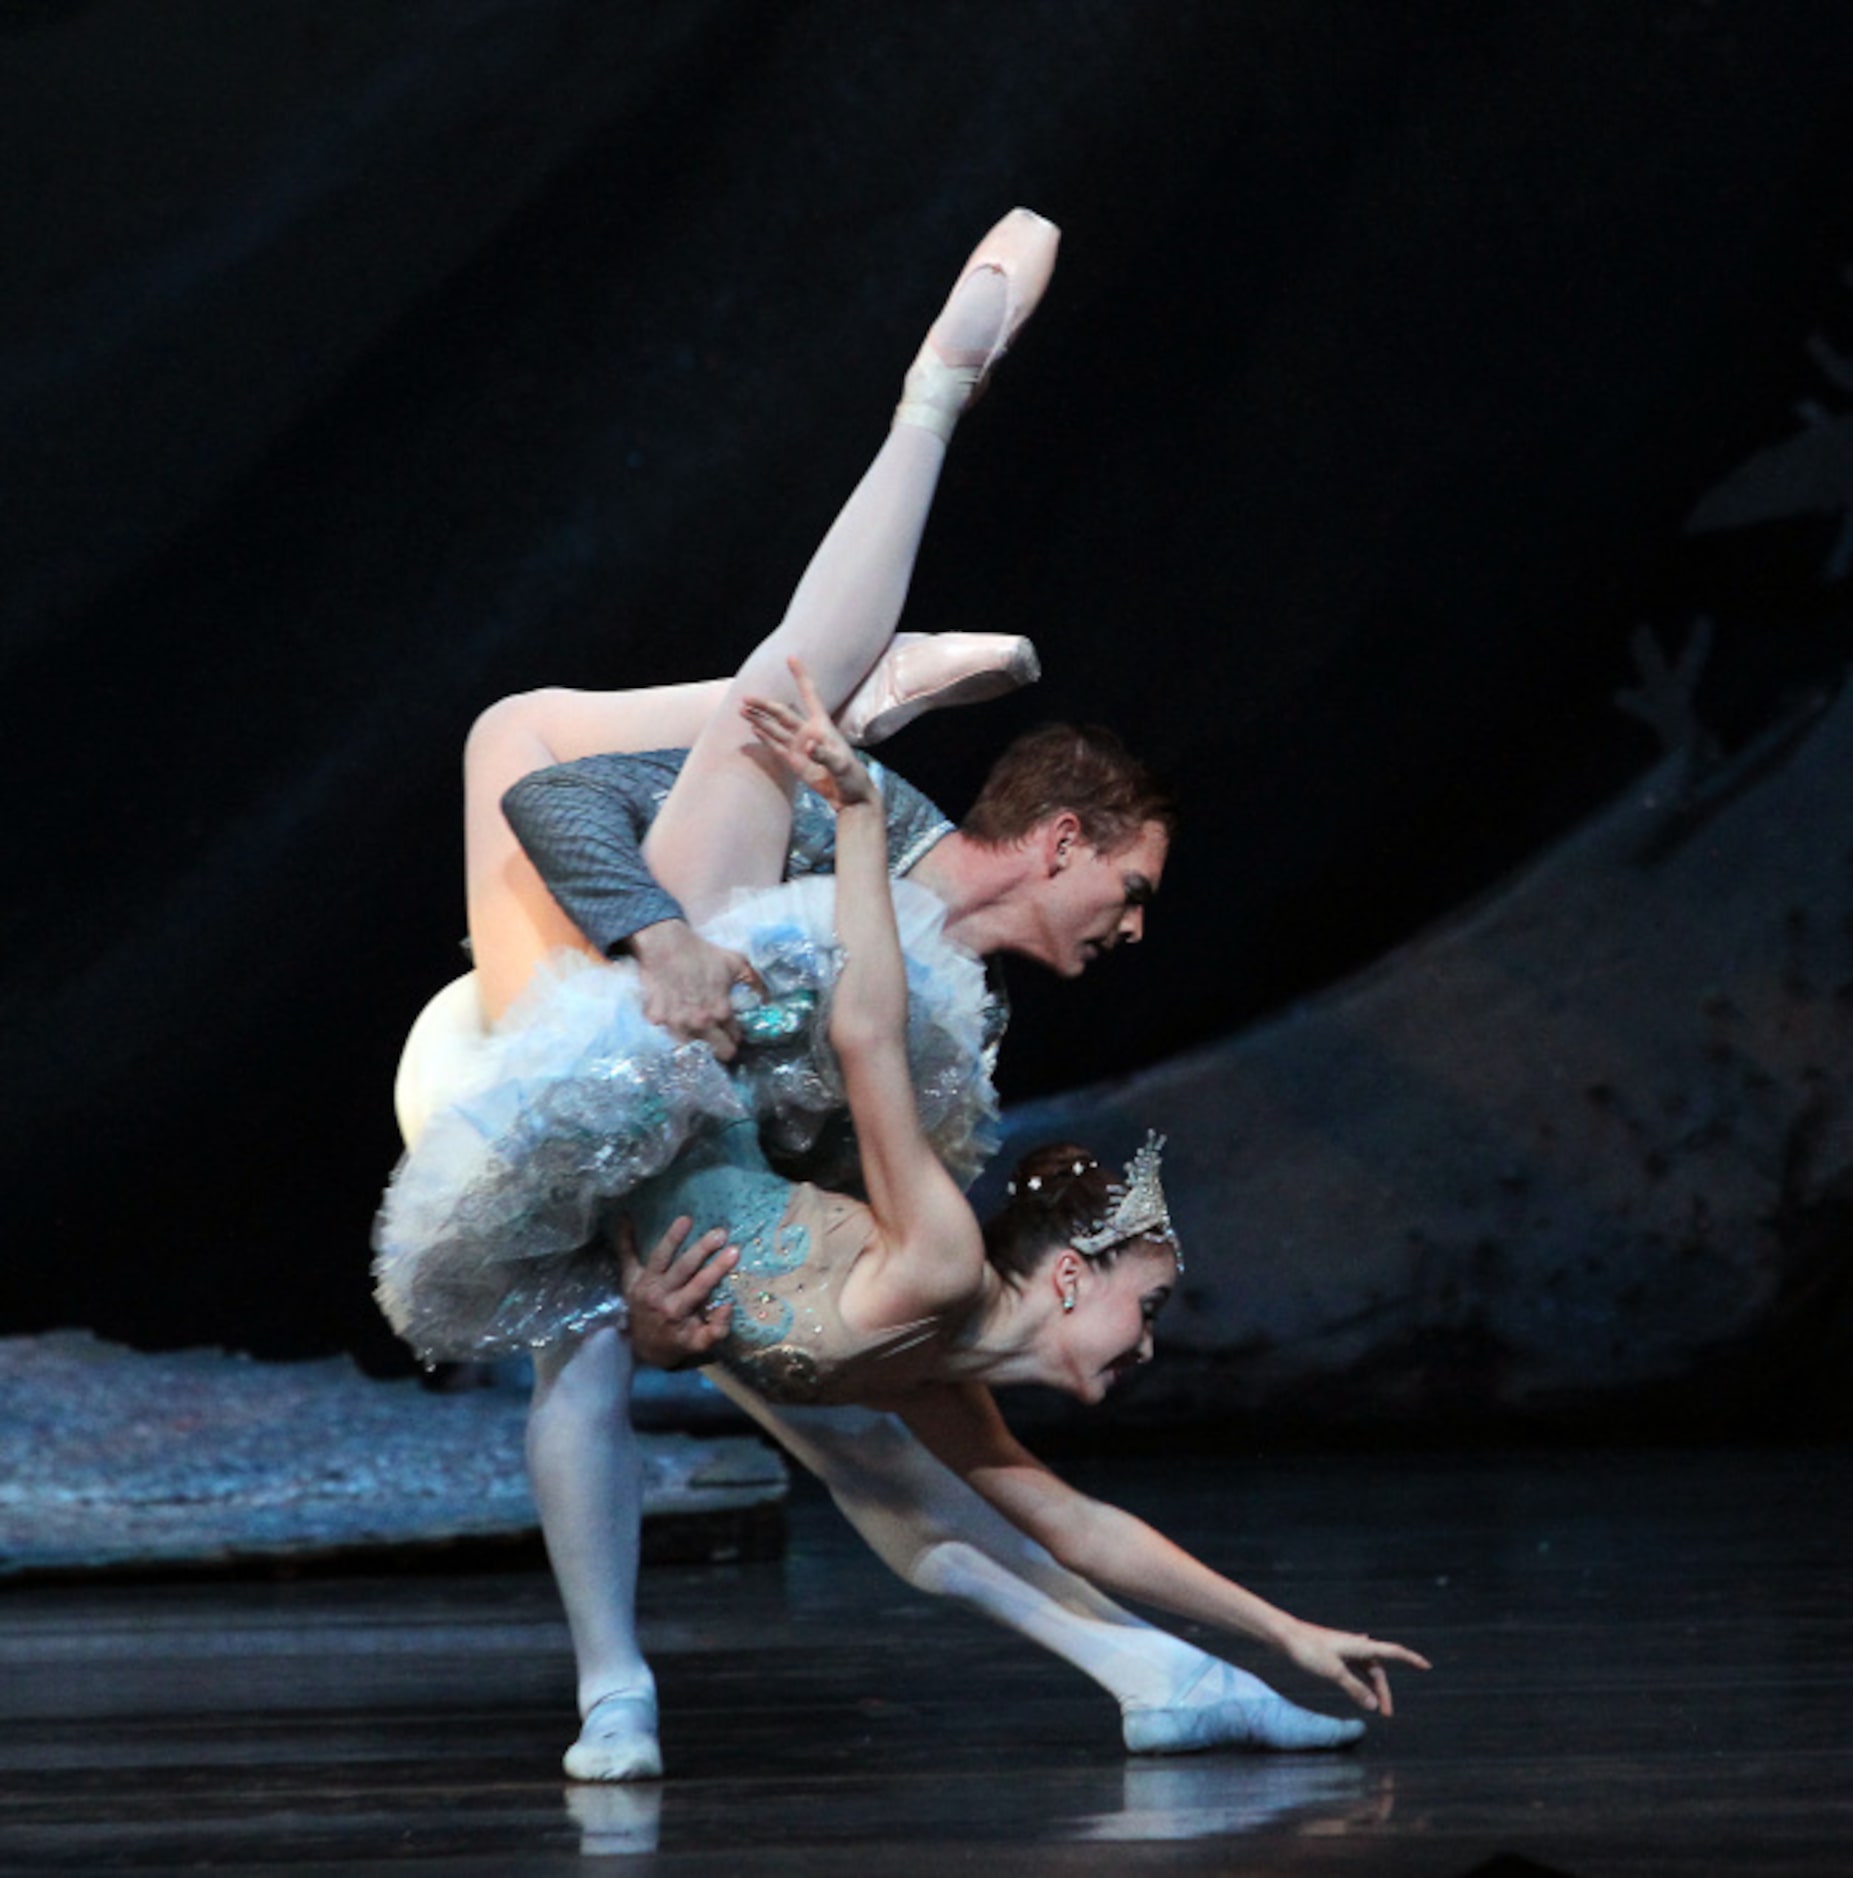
[(1354, 1662), (808, 742)]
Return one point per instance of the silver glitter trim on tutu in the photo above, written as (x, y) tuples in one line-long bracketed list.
[(796, 1084)]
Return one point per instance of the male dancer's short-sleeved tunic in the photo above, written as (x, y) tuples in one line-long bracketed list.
[(582, 825)]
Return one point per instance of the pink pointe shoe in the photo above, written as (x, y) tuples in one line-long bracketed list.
[(946, 377), (923, 671)]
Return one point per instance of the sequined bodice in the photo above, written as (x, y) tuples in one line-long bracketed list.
[(797, 1245)]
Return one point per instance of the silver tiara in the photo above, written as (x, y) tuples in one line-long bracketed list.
[(1138, 1211)]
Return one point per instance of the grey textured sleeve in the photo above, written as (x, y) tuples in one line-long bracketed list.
[(582, 825), (914, 825)]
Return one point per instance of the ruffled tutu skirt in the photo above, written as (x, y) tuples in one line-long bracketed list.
[(495, 1234)]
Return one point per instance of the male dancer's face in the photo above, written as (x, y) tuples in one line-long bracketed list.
[(1098, 901)]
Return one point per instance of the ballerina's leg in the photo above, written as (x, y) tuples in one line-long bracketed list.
[(727, 822), (514, 921), (933, 1530)]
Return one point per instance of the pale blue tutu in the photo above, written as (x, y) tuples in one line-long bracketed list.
[(495, 1235)]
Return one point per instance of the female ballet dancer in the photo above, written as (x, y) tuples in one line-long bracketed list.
[(892, 1301)]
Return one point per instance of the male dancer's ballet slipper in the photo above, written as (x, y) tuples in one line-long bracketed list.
[(618, 1740), (924, 671), (947, 376)]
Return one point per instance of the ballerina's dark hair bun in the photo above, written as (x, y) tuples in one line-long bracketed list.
[(1059, 1191)]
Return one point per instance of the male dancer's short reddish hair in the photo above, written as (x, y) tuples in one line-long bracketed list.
[(1080, 767)]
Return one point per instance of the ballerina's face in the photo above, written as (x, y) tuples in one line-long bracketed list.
[(1093, 901), (1110, 1332)]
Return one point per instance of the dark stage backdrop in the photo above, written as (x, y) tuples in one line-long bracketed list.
[(362, 363)]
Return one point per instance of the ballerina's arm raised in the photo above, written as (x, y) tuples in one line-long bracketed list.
[(1118, 1552), (930, 1251)]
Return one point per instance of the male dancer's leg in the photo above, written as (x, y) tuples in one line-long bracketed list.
[(938, 1534), (587, 1477)]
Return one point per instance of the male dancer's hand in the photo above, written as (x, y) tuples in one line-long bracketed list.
[(687, 984), (673, 1322)]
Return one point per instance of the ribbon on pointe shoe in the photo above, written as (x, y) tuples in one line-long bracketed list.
[(946, 378)]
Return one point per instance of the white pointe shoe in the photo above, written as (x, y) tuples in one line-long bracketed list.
[(1225, 1707), (618, 1740), (944, 379), (924, 671), (1267, 1724)]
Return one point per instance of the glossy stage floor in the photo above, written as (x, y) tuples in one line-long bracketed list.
[(1643, 1665)]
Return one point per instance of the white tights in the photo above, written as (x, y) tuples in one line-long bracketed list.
[(587, 1477), (930, 1528)]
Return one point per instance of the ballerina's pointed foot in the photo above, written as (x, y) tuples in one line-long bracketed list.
[(927, 671), (1269, 1723), (997, 290), (617, 1740), (1228, 1708)]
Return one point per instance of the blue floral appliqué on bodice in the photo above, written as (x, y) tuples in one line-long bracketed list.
[(726, 1181)]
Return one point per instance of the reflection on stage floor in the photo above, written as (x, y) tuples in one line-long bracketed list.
[(1643, 1665)]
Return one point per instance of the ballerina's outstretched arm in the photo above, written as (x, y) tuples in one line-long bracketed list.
[(1120, 1553)]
